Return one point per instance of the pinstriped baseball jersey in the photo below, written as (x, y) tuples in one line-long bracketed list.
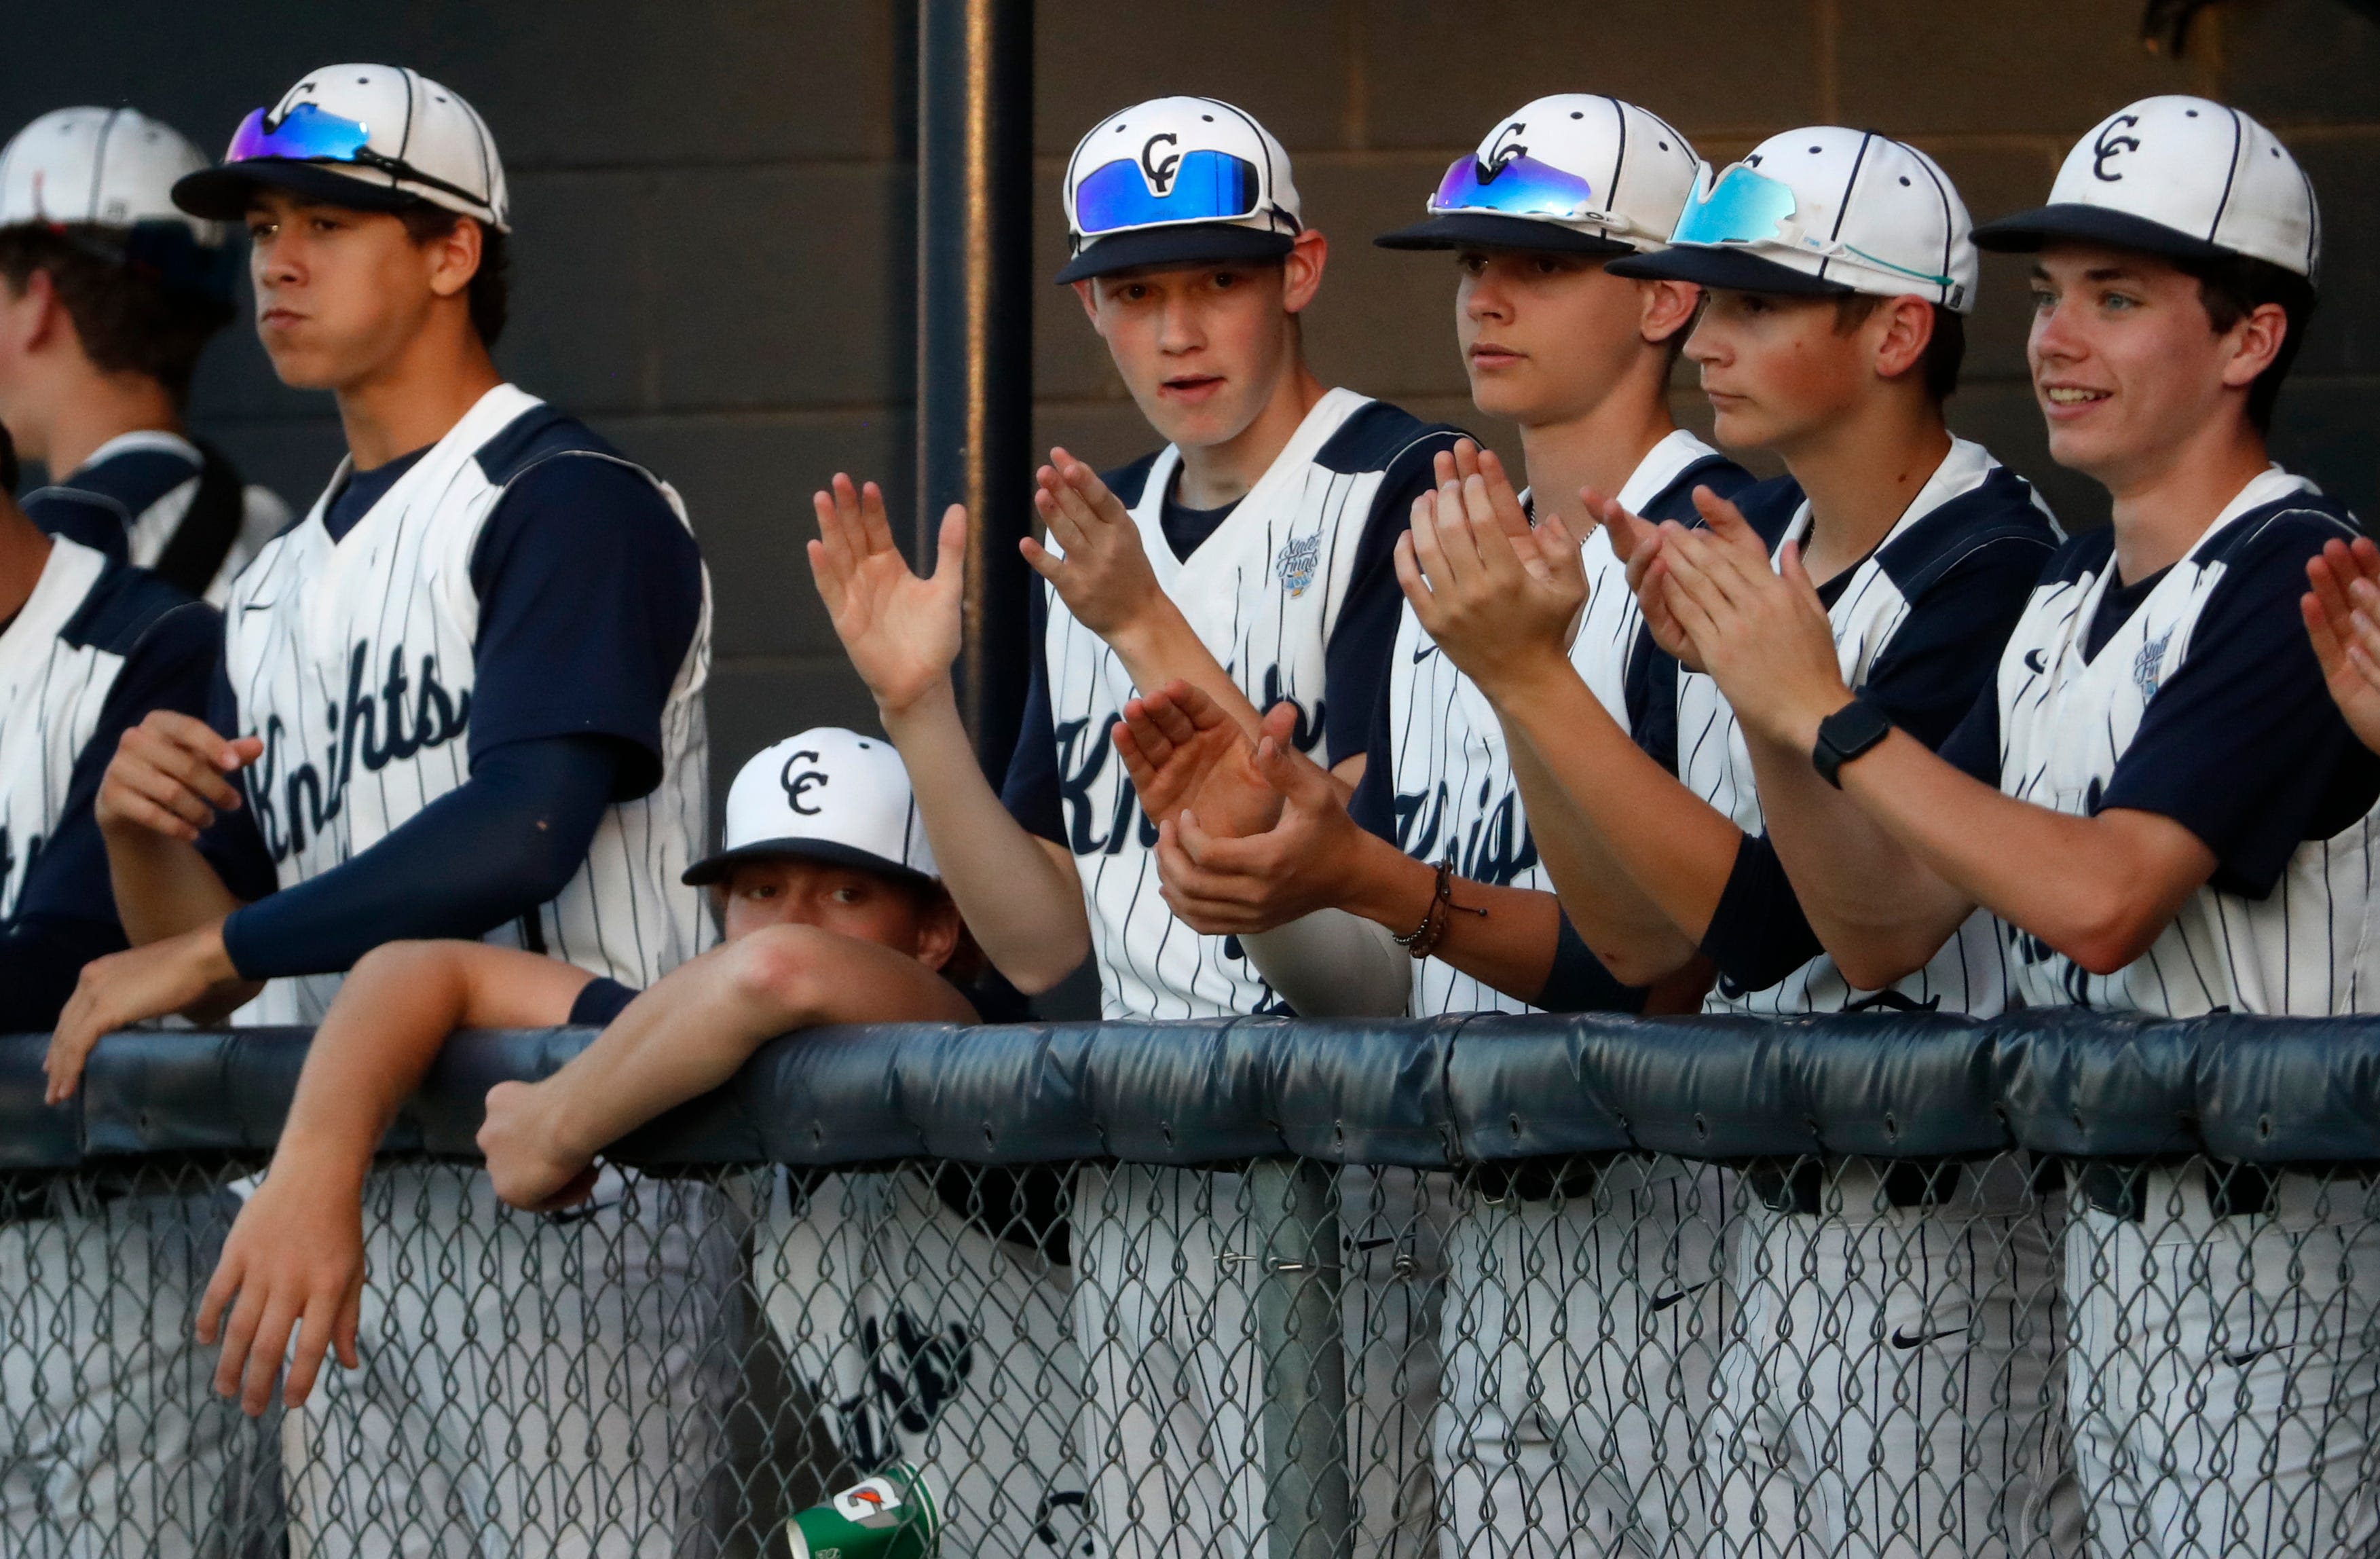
[(352, 661), (2068, 718), (1264, 593), (1455, 798), (1970, 502), (59, 661), (131, 495)]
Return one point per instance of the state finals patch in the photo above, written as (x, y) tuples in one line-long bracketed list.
[(1296, 562)]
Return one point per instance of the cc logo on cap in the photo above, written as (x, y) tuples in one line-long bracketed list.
[(798, 786), (1160, 173), (2110, 145)]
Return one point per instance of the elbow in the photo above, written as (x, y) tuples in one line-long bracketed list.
[(780, 971), (1881, 966), (1034, 977), (2107, 945), (1641, 967), (2110, 929)]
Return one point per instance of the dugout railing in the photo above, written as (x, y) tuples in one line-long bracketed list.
[(1895, 1284)]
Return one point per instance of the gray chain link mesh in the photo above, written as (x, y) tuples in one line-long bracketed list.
[(1622, 1355)]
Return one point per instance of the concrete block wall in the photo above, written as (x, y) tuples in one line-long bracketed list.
[(715, 207)]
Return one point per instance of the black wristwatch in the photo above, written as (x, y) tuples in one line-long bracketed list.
[(1844, 735)]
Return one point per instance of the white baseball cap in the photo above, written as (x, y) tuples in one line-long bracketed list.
[(367, 137), (1574, 171), (1823, 210), (1176, 180), (828, 794), (2182, 178), (105, 168)]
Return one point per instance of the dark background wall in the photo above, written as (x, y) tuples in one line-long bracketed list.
[(714, 204)]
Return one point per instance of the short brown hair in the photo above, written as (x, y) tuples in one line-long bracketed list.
[(129, 317), (490, 289), (1946, 351)]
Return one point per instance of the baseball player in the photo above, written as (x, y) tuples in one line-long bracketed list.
[(461, 697), (108, 292), (833, 915), (1551, 1439), (1258, 540), (2160, 803), (1838, 263), (103, 1439)]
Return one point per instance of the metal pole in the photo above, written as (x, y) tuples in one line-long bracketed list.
[(974, 327), (1301, 1334)]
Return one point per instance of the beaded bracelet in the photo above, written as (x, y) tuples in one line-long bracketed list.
[(1423, 940)]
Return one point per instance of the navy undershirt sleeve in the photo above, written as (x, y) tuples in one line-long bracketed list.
[(2242, 745), (1356, 661), (1943, 656), (66, 910), (1974, 747), (1029, 789), (489, 851), (591, 591), (598, 1002), (1579, 982)]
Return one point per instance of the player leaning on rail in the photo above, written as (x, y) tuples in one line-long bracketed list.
[(462, 697), (2157, 799)]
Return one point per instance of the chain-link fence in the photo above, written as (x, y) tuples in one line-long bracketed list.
[(1465, 1290)]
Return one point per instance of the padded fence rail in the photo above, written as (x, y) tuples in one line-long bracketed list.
[(1900, 1283)]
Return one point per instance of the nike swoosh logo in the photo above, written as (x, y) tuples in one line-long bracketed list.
[(2037, 663), (2242, 1358), (1376, 1244), (1663, 1301), (1424, 652), (256, 606), (1901, 1338)]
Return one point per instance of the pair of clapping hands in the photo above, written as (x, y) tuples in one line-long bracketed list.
[(1250, 832), (2342, 618)]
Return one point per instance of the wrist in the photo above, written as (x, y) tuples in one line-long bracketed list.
[(322, 1160), (210, 954), (1387, 886), (1844, 735), (936, 697)]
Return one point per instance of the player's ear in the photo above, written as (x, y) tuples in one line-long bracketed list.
[(2259, 335), (1301, 276), (1088, 291), (939, 928), (1667, 310), (454, 257), (1901, 331)]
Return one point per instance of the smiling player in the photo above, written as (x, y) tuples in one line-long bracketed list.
[(2161, 803)]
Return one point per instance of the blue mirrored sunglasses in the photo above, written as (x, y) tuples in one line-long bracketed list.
[(1746, 206), (1516, 187), (310, 134), (1205, 185)]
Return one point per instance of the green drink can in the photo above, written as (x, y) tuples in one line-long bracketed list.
[(891, 1515)]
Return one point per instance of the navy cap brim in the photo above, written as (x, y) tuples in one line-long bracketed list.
[(713, 869), (2026, 231), (1190, 244), (1736, 269), (1480, 229), (222, 194)]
